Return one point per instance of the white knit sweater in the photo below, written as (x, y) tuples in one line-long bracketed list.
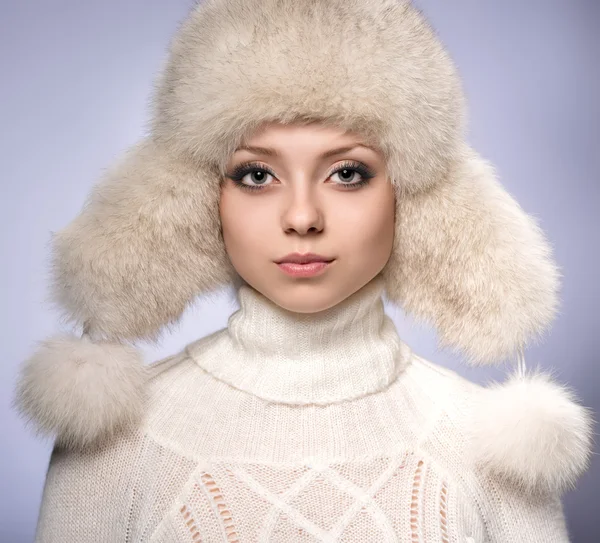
[(294, 428)]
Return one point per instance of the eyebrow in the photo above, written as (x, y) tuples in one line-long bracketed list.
[(272, 152)]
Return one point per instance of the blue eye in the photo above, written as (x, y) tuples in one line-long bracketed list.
[(352, 168)]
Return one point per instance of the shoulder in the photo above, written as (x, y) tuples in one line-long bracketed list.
[(171, 381), (168, 372), (179, 398), (449, 399), (448, 389), (163, 366)]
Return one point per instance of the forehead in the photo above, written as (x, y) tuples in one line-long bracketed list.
[(302, 135)]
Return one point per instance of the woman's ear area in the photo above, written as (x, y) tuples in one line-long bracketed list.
[(468, 260)]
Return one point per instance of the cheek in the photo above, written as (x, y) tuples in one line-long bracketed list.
[(244, 224), (368, 224)]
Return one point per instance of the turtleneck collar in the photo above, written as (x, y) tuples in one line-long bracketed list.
[(344, 352)]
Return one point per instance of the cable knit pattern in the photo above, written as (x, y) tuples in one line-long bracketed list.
[(286, 428)]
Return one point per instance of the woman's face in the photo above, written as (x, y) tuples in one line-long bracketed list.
[(290, 197)]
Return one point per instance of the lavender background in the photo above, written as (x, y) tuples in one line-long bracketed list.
[(76, 78)]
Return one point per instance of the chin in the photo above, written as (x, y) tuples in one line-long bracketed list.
[(303, 301)]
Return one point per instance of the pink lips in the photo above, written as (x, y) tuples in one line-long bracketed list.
[(304, 265), (303, 270)]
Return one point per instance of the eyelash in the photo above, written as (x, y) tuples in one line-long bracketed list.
[(248, 167)]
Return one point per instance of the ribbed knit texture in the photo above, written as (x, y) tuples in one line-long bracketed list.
[(294, 428), (341, 353)]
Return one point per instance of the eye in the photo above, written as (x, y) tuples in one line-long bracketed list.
[(350, 171), (347, 175), (256, 177)]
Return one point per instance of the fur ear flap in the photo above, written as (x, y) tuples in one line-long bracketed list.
[(468, 260), (147, 242)]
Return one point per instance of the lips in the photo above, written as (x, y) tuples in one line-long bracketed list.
[(310, 269), (307, 258)]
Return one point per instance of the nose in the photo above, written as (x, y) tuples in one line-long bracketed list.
[(302, 211)]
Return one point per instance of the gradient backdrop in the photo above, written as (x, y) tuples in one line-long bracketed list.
[(75, 81)]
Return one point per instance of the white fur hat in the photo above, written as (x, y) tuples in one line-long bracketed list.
[(466, 258)]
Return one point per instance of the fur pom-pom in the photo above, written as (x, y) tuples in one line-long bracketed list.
[(80, 390), (531, 431)]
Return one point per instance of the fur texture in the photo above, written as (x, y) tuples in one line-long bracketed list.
[(468, 260), (80, 390), (146, 244), (531, 432)]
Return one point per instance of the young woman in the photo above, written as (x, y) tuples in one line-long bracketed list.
[(310, 156)]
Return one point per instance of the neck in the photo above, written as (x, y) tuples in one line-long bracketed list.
[(342, 353)]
